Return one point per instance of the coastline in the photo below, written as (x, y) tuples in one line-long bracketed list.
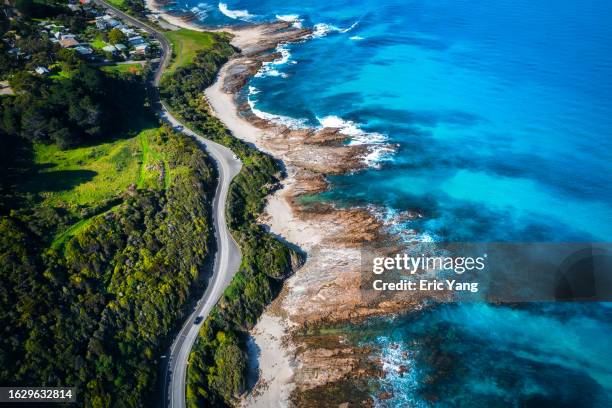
[(326, 290), (157, 9)]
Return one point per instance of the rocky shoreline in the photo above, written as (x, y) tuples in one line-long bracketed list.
[(294, 359), (326, 290)]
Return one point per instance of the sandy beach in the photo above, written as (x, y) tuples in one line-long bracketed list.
[(327, 287), (158, 10)]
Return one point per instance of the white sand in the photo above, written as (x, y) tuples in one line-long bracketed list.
[(275, 381), (275, 370), (175, 21)]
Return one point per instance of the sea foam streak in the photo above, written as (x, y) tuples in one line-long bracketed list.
[(269, 68), (322, 29), (278, 119), (291, 18), (235, 14), (378, 150), (201, 10)]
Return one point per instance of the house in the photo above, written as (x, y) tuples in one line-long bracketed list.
[(68, 42), (141, 48), (83, 50), (120, 47), (100, 23), (128, 31), (137, 40), (41, 70), (109, 48), (110, 21)]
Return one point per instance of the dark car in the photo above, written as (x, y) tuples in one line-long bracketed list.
[(198, 320)]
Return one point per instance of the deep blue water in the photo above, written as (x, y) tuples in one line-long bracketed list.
[(502, 114)]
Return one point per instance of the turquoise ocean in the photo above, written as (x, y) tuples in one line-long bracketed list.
[(500, 114)]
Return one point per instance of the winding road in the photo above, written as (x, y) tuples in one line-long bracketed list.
[(228, 256)]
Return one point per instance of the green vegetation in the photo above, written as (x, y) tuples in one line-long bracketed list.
[(105, 229), (217, 363), (98, 43), (116, 36), (134, 68), (84, 175), (97, 313), (118, 3), (186, 44)]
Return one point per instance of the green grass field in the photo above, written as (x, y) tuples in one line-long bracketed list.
[(186, 44), (124, 68), (120, 4), (95, 177), (84, 176), (154, 171)]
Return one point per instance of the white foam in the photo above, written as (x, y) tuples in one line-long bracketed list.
[(401, 223), (378, 148), (351, 129), (356, 38), (291, 18), (322, 29), (268, 69), (291, 123), (201, 10), (235, 14)]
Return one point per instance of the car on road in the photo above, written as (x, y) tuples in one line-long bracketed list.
[(198, 320), (179, 128)]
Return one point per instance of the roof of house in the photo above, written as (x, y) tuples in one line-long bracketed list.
[(83, 50), (69, 42), (109, 48), (120, 47), (41, 70)]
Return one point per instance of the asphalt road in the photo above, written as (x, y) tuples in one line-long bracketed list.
[(227, 261), (228, 256)]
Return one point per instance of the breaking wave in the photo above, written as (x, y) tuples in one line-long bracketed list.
[(235, 14)]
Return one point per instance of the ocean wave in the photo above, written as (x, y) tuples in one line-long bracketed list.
[(351, 129), (401, 378), (401, 223), (201, 10), (322, 29), (378, 148), (291, 18), (268, 69), (235, 14), (291, 123), (356, 38)]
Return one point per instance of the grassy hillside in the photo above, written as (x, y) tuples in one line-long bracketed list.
[(83, 176), (186, 44), (135, 68)]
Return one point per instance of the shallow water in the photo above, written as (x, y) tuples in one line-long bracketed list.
[(502, 111)]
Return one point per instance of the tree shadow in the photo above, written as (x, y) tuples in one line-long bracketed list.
[(56, 181)]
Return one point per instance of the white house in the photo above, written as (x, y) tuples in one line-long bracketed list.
[(41, 70)]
